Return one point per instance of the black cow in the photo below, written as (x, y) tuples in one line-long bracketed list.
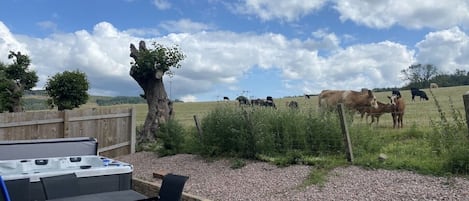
[(268, 102), (257, 102), (396, 93), (308, 96), (242, 100), (292, 104), (225, 98), (417, 92)]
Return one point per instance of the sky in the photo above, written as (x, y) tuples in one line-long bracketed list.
[(254, 48)]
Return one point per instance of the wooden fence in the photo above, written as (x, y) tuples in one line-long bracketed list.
[(114, 128)]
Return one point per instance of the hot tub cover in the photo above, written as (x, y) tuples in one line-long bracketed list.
[(45, 148)]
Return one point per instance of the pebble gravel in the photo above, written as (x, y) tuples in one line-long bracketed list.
[(259, 181)]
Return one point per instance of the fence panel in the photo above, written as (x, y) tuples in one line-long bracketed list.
[(113, 127)]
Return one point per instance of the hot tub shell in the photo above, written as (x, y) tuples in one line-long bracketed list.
[(95, 173)]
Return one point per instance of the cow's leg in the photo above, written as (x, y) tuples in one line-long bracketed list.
[(398, 119), (401, 118)]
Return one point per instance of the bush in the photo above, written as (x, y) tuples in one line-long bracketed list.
[(171, 135)]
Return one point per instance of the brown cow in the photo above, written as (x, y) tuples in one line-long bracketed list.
[(353, 100), (292, 104), (377, 112), (398, 112)]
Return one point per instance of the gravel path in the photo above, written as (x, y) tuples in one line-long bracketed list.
[(262, 181)]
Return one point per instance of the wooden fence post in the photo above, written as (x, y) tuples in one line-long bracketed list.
[(343, 125), (197, 125), (465, 99), (66, 123), (133, 127)]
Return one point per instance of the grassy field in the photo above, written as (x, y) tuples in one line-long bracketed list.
[(417, 113)]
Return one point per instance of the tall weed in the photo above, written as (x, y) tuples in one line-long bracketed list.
[(450, 139), (252, 131)]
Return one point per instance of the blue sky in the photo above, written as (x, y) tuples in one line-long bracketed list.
[(256, 48)]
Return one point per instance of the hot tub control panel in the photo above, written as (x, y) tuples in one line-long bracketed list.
[(82, 166)]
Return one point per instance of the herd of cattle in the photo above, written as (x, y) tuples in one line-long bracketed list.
[(363, 101), (268, 102)]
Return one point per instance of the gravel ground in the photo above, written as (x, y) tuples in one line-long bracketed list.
[(262, 181)]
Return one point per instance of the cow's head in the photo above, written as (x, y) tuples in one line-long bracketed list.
[(372, 98), (393, 99)]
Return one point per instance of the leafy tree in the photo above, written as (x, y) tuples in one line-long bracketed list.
[(460, 77), (420, 74), (148, 69), (15, 78), (67, 90), (5, 85)]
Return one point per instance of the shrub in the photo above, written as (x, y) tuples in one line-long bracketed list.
[(171, 135)]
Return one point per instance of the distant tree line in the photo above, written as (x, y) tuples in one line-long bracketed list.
[(35, 93), (35, 104), (420, 76), (120, 100)]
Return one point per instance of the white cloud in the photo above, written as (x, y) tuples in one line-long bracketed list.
[(162, 4), (48, 25), (143, 32), (102, 55), (189, 98), (278, 9), (184, 25), (375, 14), (367, 65), (410, 14), (446, 49), (9, 43), (326, 41)]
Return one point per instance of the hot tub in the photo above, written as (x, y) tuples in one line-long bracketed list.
[(95, 174)]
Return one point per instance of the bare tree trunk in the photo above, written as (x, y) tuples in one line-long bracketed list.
[(16, 98), (158, 109)]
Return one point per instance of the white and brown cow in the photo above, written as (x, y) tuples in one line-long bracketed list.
[(353, 100)]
